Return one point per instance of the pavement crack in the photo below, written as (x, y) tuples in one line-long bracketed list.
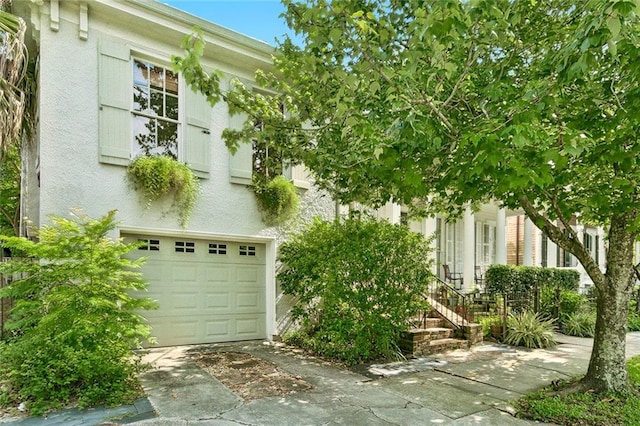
[(474, 380)]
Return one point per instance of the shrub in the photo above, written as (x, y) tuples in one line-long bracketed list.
[(530, 330), (74, 321), (357, 283), (159, 176), (580, 324), (633, 321), (633, 369), (277, 199)]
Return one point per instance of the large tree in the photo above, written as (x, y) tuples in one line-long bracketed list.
[(532, 103)]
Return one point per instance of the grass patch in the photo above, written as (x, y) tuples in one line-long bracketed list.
[(561, 406)]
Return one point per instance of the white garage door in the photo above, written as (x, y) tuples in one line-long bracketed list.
[(208, 291)]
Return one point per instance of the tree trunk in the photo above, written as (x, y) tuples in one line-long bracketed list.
[(607, 368)]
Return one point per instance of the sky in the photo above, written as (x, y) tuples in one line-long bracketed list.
[(256, 18)]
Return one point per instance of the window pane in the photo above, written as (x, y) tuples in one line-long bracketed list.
[(168, 138), (140, 98), (157, 104), (144, 134), (172, 107), (140, 73), (157, 77), (171, 82)]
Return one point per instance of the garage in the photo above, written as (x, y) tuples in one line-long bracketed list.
[(209, 291)]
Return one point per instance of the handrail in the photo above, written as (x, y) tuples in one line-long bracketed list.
[(450, 303)]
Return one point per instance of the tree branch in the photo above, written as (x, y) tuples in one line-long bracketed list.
[(570, 243)]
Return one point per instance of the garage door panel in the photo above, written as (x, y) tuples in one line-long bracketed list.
[(207, 291)]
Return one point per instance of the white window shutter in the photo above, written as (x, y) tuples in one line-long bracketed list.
[(197, 137), (300, 176), (115, 92), (240, 163)]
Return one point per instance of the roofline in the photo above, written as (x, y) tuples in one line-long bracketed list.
[(210, 28)]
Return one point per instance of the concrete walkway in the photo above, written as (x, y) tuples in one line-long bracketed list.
[(463, 387)]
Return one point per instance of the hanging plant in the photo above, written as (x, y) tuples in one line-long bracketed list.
[(160, 176), (277, 199)]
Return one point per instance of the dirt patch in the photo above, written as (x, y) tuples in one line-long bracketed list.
[(250, 377)]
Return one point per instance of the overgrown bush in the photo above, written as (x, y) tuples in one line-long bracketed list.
[(277, 199), (357, 282), (530, 330), (581, 323), (160, 176), (633, 321), (74, 320)]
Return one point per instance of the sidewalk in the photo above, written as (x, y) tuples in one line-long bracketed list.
[(463, 387)]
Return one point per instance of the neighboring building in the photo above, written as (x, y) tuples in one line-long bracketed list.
[(494, 235), (528, 246), (107, 93)]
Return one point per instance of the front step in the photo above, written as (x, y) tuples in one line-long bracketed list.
[(422, 342)]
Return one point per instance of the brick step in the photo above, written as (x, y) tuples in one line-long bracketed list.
[(438, 346), (429, 322)]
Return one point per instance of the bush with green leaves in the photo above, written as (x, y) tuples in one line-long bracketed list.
[(530, 330), (161, 176), (633, 321), (357, 283), (581, 323), (75, 318), (277, 199)]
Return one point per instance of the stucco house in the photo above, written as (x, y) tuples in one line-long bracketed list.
[(107, 93)]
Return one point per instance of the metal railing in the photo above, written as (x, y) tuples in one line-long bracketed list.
[(450, 304)]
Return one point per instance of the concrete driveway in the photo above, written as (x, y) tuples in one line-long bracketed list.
[(463, 387)]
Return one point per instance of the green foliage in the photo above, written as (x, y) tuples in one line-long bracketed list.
[(580, 323), (357, 283), (277, 199), (75, 319), (160, 176), (633, 369), (534, 104), (10, 191), (489, 321), (633, 321), (562, 404), (530, 330), (521, 279)]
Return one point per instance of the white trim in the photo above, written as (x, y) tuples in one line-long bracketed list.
[(270, 260)]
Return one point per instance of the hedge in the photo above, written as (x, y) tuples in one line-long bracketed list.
[(503, 279)]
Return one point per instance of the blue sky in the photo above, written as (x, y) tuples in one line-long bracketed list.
[(256, 18)]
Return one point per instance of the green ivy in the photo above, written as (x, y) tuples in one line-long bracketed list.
[(277, 199), (75, 318), (160, 176)]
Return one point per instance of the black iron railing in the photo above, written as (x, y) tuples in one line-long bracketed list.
[(449, 304)]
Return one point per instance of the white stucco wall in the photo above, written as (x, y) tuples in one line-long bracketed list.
[(71, 176)]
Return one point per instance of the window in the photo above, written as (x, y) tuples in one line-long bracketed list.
[(544, 250), (267, 160), (138, 94), (217, 248), (151, 245), (155, 110), (185, 247), (247, 250)]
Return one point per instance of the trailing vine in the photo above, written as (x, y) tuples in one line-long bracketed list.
[(277, 199), (160, 176)]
